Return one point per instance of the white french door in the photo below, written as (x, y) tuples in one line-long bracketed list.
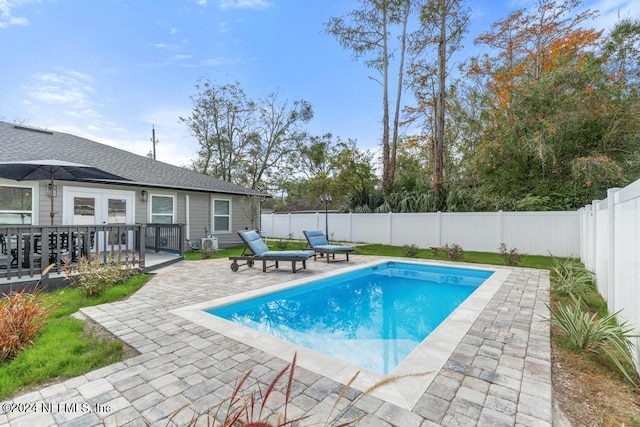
[(83, 206)]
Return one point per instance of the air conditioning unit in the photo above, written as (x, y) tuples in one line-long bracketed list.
[(209, 243)]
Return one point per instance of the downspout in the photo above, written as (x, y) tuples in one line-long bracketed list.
[(187, 228)]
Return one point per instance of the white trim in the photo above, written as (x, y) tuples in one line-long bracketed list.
[(150, 206), (35, 196), (68, 193), (213, 215)]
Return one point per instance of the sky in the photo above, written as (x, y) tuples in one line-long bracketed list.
[(110, 70)]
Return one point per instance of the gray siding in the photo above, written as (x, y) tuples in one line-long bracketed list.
[(200, 214), (199, 210)]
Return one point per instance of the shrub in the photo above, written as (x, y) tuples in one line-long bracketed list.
[(284, 244), (510, 256), (572, 278), (410, 250), (22, 315), (207, 252), (600, 335), (91, 277), (453, 252)]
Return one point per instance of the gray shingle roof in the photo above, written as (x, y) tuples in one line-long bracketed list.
[(24, 143)]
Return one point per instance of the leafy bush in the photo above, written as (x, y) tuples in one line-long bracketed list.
[(572, 278), (601, 335), (410, 250), (510, 256), (453, 252), (207, 252), (22, 315), (283, 244), (91, 277)]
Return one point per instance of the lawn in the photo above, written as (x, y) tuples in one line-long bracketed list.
[(529, 261), (63, 349)]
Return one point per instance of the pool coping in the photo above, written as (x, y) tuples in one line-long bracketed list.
[(417, 370)]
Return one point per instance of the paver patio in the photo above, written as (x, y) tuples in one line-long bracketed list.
[(499, 374)]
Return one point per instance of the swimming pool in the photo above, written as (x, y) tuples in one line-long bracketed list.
[(372, 317), (428, 357)]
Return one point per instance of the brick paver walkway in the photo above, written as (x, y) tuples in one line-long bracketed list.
[(500, 374)]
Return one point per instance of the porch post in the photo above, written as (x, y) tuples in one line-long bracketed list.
[(142, 245), (181, 236)]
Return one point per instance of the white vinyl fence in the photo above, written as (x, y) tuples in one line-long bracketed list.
[(534, 233), (610, 232)]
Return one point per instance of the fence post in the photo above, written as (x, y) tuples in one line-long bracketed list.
[(350, 234), (594, 233), (273, 224), (500, 227), (611, 230), (438, 229), (390, 229)]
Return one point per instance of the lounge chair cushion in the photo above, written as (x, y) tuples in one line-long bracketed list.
[(286, 254), (318, 241), (332, 248), (255, 243), (316, 238), (261, 250)]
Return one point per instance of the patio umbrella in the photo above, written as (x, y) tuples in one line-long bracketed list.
[(35, 170)]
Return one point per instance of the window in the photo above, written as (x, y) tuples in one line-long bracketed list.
[(16, 205), (162, 209), (221, 215), (84, 210)]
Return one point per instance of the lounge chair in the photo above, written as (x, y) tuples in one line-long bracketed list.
[(260, 252), (320, 245)]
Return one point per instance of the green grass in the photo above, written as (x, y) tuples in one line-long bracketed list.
[(62, 349), (530, 261), (237, 250)]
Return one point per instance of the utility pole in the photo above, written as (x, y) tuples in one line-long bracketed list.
[(154, 140)]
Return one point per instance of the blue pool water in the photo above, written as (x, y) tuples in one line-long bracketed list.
[(372, 317)]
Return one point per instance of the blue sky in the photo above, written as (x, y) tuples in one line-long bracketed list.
[(108, 70)]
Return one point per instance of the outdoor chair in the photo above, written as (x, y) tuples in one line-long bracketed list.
[(320, 245), (259, 251)]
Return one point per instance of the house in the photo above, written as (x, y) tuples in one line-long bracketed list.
[(156, 193)]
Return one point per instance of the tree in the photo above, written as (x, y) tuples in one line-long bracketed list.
[(334, 166), (280, 136), (554, 132), (244, 141), (223, 122), (443, 23), (368, 33), (531, 43), (622, 50), (566, 138)]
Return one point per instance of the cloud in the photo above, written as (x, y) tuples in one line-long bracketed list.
[(610, 12), (6, 12), (71, 90), (180, 57), (243, 4)]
